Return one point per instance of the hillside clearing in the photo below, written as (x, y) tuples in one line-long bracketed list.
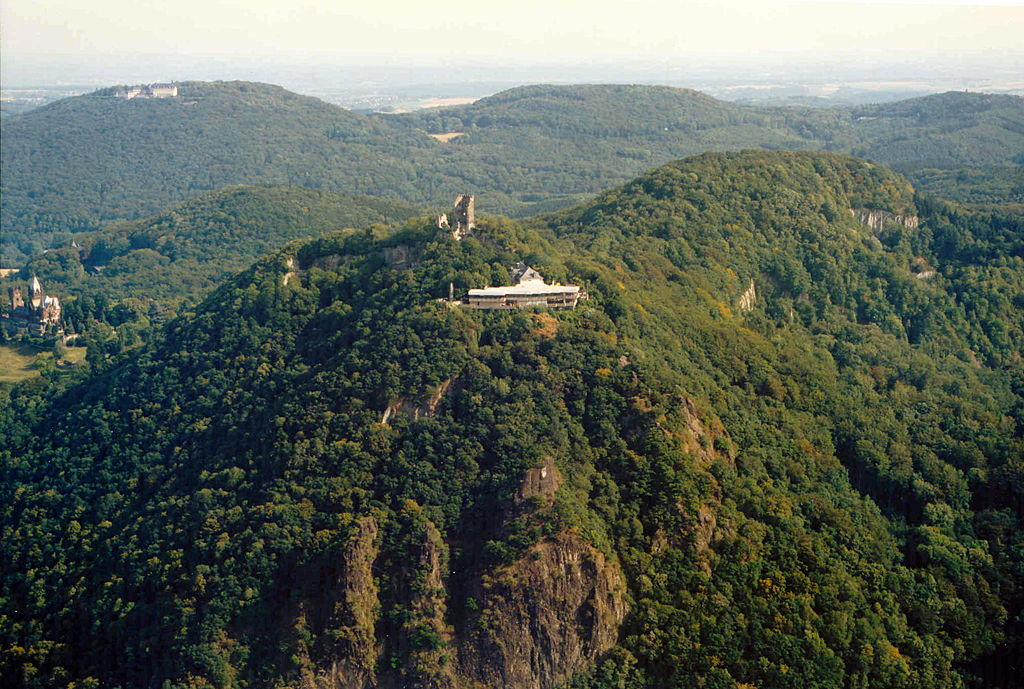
[(447, 136), (16, 361)]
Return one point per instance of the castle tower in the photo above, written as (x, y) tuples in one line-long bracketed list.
[(35, 293), (463, 215), (17, 301)]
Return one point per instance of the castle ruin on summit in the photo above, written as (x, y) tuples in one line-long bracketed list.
[(463, 218)]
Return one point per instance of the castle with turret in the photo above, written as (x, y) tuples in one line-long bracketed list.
[(38, 312)]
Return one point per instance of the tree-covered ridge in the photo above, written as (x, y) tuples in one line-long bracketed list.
[(250, 220), (982, 187), (600, 110), (84, 162), (948, 130), (172, 260), (822, 491), (638, 126), (559, 143), (951, 130), (737, 216)]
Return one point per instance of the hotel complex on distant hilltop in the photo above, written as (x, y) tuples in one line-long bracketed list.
[(150, 91)]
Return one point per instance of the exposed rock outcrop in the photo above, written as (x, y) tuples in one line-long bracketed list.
[(394, 256), (353, 618), (709, 529), (537, 621), (401, 255), (329, 262), (541, 481), (704, 438), (422, 638), (422, 408), (876, 219), (546, 616), (748, 298), (704, 530), (920, 269)]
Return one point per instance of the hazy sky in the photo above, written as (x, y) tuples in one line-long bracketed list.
[(545, 29)]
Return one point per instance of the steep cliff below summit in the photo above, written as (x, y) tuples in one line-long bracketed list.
[(354, 643), (546, 616)]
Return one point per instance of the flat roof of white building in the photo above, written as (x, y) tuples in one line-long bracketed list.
[(523, 290)]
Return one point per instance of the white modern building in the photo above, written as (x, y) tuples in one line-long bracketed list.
[(529, 291)]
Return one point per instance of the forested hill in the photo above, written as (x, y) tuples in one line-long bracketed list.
[(599, 110), (630, 128), (949, 130), (966, 147), (657, 114), (774, 448), (83, 162), (172, 260)]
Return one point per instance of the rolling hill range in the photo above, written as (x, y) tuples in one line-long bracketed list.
[(83, 162), (940, 131), (626, 129), (775, 447), (949, 130)]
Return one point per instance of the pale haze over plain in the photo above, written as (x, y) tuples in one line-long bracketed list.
[(524, 29)]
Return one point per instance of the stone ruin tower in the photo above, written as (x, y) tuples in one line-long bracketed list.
[(463, 216), (17, 301)]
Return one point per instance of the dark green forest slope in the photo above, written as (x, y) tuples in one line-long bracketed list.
[(172, 260), (943, 131), (83, 162), (582, 139), (328, 477), (625, 129), (966, 147)]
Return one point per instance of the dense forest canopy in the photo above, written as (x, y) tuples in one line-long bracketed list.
[(80, 163), (979, 137), (84, 162), (326, 468), (172, 260)]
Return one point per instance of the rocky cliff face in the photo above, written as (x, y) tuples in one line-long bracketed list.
[(749, 297), (418, 634), (350, 629), (424, 407), (546, 616), (550, 613), (703, 436), (534, 622), (876, 219)]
